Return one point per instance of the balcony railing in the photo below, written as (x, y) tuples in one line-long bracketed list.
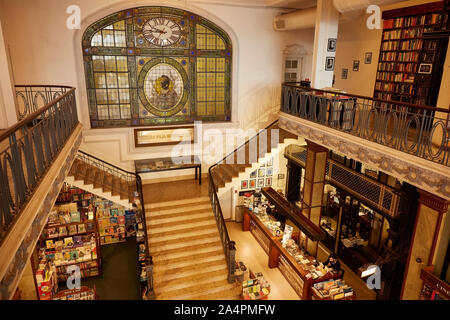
[(27, 151), (418, 130), (31, 98)]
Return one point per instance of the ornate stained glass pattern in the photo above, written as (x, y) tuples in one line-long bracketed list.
[(157, 65)]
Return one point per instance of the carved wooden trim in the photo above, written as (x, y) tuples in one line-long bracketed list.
[(433, 202)]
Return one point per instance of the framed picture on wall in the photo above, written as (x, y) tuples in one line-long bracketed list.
[(331, 47), (368, 58), (269, 162), (260, 183), (344, 73), (355, 65), (425, 68), (244, 184), (268, 182), (252, 184), (280, 176), (253, 174), (269, 172), (329, 64), (261, 172)]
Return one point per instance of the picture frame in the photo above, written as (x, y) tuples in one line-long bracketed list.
[(331, 46), (253, 174), (281, 176), (270, 162), (329, 63), (244, 184), (344, 73), (252, 183), (355, 65), (269, 171), (368, 58), (261, 172), (260, 183), (163, 136), (268, 182), (425, 68)]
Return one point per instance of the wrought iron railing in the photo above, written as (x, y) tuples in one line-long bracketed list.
[(228, 245), (422, 131), (130, 177), (28, 149), (31, 98)]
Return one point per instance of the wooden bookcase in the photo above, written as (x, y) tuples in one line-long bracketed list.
[(72, 239), (400, 50)]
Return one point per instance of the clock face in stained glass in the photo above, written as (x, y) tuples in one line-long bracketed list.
[(163, 87), (161, 31)]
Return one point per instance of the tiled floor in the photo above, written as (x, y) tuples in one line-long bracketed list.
[(252, 254)]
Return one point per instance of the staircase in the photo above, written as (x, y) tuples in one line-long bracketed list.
[(224, 173), (189, 261), (103, 179)]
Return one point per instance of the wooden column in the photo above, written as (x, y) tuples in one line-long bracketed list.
[(293, 179), (274, 254), (423, 243), (316, 161)]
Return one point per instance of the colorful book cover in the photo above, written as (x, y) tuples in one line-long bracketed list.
[(121, 220), (75, 216), (68, 242), (49, 244), (81, 228), (73, 229)]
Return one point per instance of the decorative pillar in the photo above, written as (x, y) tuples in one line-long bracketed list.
[(8, 113), (293, 181), (430, 213), (314, 184), (327, 20)]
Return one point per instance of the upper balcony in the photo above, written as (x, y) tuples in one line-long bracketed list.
[(408, 141)]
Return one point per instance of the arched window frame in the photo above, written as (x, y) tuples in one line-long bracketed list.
[(125, 106)]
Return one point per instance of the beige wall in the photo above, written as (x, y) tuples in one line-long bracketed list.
[(355, 39), (44, 51)]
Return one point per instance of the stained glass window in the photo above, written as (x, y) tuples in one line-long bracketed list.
[(156, 65)]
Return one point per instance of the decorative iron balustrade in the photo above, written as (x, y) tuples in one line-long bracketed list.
[(135, 178), (28, 149), (372, 192), (31, 98), (228, 245), (418, 130)]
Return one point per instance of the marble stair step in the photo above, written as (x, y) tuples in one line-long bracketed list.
[(178, 209), (184, 244), (191, 257), (180, 237), (191, 280), (179, 217), (161, 266), (190, 271), (184, 202), (233, 293), (179, 226), (188, 292), (207, 248), (185, 248)]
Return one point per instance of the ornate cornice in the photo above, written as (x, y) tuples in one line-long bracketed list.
[(16, 266), (392, 162), (433, 202)]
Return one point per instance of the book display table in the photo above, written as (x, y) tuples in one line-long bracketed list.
[(299, 269), (255, 288), (170, 163)]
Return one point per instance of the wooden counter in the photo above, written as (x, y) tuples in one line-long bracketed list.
[(280, 257)]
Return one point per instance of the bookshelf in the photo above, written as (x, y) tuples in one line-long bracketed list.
[(111, 221), (71, 237), (401, 48)]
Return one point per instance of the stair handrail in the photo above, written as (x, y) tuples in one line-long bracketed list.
[(28, 149), (229, 246), (139, 188)]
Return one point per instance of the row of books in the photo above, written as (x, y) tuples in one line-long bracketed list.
[(84, 293), (389, 45), (68, 214), (415, 44), (334, 289), (399, 67), (70, 251), (395, 87), (73, 229), (84, 274), (408, 56), (82, 266), (403, 22)]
